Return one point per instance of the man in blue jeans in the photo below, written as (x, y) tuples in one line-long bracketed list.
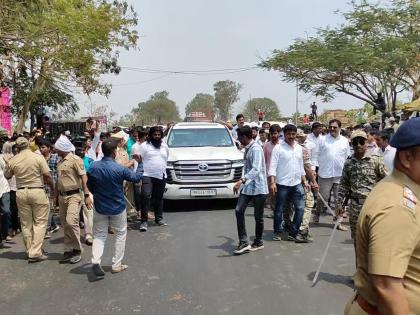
[(252, 187), (287, 181)]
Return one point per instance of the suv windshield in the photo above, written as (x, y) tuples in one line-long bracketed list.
[(212, 137)]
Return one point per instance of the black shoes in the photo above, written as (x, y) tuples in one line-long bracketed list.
[(242, 248), (143, 226), (256, 246), (161, 223), (98, 271)]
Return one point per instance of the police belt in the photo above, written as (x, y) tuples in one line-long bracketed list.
[(70, 192), (366, 306), (30, 188)]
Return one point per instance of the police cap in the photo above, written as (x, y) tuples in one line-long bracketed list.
[(22, 142), (358, 134), (407, 135)]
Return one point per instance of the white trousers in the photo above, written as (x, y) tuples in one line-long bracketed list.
[(100, 232)]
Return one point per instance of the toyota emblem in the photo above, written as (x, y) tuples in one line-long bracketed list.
[(203, 167)]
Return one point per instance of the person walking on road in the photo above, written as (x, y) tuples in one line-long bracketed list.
[(331, 155), (360, 174), (251, 187), (387, 278), (71, 178), (154, 154), (31, 171), (105, 181), (287, 178)]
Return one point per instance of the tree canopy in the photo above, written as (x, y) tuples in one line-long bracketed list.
[(67, 44), (255, 105), (376, 50), (225, 95), (200, 102), (158, 109)]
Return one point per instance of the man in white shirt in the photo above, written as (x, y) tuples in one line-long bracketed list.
[(4, 204), (154, 154), (240, 122), (333, 152), (287, 174), (315, 138), (385, 150), (135, 152)]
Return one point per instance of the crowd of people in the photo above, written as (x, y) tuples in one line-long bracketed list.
[(291, 174)]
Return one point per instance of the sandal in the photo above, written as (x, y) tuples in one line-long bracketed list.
[(119, 268)]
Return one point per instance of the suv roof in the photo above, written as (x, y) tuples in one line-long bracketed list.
[(195, 125)]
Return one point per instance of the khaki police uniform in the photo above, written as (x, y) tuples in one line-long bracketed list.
[(388, 242), (70, 169), (32, 201)]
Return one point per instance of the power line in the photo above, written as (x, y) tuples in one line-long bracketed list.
[(145, 81), (192, 72)]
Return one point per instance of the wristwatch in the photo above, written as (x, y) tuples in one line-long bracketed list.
[(243, 180), (87, 195)]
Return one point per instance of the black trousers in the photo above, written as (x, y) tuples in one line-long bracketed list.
[(152, 190), (14, 211), (241, 206)]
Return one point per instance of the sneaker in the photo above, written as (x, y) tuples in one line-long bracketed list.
[(76, 257), (276, 237), (143, 227), (47, 235), (66, 257), (256, 246), (242, 248), (301, 239), (98, 271), (54, 229), (161, 223), (291, 238), (9, 238), (37, 259)]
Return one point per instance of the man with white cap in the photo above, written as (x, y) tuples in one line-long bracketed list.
[(31, 171), (71, 177), (122, 157)]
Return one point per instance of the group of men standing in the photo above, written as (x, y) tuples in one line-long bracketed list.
[(100, 190)]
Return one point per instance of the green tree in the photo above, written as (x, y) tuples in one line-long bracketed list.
[(159, 109), (225, 95), (255, 105), (376, 50), (200, 102), (68, 44)]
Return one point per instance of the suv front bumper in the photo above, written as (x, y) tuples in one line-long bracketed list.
[(210, 191)]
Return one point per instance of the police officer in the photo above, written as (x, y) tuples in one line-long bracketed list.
[(388, 235), (71, 177), (31, 171), (361, 172)]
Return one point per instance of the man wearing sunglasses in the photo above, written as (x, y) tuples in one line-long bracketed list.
[(360, 174), (387, 278)]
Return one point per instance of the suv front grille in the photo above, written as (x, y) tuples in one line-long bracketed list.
[(199, 170)]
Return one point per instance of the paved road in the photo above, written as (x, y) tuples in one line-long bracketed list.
[(185, 268)]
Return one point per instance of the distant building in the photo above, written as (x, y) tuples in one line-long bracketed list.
[(339, 114)]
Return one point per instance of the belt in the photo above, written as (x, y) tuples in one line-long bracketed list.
[(30, 188), (366, 306), (70, 192)]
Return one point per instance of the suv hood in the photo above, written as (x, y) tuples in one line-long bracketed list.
[(204, 153)]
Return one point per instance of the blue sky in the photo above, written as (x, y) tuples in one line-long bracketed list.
[(217, 34)]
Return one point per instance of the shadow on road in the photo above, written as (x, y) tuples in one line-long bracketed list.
[(227, 246), (86, 269), (13, 255), (330, 278)]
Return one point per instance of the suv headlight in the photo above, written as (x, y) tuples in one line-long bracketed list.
[(237, 163)]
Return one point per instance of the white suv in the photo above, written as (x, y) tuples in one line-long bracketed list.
[(204, 162)]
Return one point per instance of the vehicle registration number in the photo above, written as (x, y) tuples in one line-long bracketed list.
[(203, 192)]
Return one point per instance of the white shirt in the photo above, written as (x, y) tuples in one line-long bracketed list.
[(389, 156), (287, 164), (332, 154), (4, 184), (135, 150), (154, 159), (315, 147)]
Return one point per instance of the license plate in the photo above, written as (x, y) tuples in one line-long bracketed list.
[(203, 192)]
